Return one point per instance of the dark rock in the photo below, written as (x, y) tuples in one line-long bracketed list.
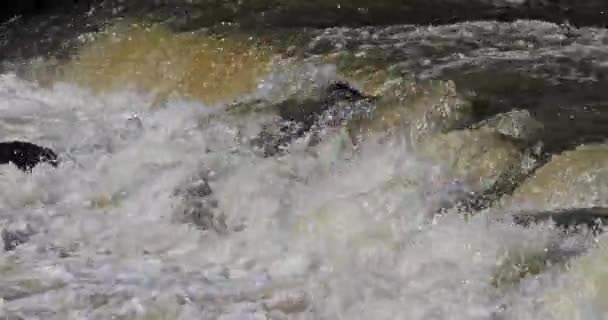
[(26, 155), (199, 207), (304, 112), (14, 238), (275, 137), (309, 110), (593, 217), (338, 103)]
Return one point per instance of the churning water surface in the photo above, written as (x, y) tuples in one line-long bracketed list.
[(333, 233)]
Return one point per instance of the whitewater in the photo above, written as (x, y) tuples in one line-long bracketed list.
[(333, 235), (333, 231)]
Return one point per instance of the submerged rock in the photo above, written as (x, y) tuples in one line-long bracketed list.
[(199, 207), (14, 236), (275, 137), (573, 179), (517, 264)]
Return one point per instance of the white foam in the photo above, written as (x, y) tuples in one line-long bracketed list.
[(347, 239)]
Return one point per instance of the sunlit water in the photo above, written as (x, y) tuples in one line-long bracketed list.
[(329, 233)]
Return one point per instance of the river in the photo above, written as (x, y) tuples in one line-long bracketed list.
[(332, 230)]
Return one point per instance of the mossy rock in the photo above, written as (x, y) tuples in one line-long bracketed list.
[(574, 179)]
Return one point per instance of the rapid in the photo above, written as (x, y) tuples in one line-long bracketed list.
[(332, 231)]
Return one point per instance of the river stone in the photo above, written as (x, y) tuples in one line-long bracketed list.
[(423, 109), (518, 124), (574, 179), (480, 157)]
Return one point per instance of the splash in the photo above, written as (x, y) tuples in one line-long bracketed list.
[(311, 235)]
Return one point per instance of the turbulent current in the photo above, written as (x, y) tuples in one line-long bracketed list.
[(328, 231)]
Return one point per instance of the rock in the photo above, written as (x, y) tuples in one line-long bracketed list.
[(199, 207), (518, 124), (482, 158), (573, 179), (15, 236), (566, 218), (26, 155), (516, 264), (419, 109), (337, 104), (275, 137)]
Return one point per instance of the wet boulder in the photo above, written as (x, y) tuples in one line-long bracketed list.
[(573, 179), (482, 158)]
